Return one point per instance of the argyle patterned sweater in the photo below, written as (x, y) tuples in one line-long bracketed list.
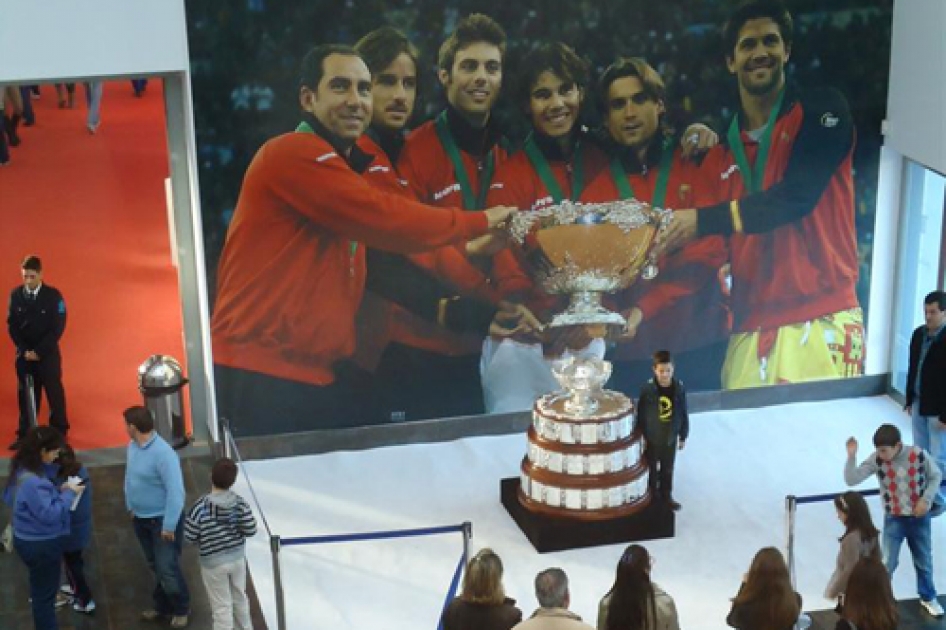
[(910, 476)]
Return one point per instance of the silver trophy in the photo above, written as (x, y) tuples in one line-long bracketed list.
[(585, 250)]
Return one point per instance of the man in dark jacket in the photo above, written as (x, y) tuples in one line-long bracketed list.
[(663, 418), (926, 379), (36, 320)]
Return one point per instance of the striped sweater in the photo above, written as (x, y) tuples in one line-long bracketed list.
[(219, 523)]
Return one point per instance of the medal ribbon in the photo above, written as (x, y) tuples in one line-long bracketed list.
[(626, 191), (544, 171), (754, 177), (470, 202)]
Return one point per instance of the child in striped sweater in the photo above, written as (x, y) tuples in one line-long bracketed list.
[(219, 523)]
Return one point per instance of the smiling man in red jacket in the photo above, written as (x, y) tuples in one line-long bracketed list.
[(292, 271), (786, 165)]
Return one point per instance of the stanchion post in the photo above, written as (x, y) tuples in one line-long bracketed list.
[(791, 503), (467, 535), (275, 545), (227, 438)]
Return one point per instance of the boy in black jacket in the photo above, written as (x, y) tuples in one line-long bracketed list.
[(662, 417)]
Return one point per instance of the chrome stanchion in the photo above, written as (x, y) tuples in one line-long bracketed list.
[(274, 545), (791, 504)]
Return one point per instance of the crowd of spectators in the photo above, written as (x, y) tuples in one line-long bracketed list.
[(245, 58)]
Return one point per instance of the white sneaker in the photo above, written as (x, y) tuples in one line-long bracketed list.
[(87, 609), (932, 607)]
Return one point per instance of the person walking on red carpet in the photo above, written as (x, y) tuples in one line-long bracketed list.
[(36, 319)]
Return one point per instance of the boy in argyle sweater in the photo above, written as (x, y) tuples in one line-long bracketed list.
[(909, 480)]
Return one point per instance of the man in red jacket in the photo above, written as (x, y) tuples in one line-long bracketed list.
[(786, 166), (682, 308), (291, 274)]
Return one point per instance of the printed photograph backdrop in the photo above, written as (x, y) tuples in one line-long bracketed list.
[(245, 56)]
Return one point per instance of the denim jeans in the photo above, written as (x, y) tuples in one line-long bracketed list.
[(917, 532), (930, 435), (171, 596), (43, 559)]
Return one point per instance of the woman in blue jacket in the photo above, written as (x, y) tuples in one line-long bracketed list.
[(40, 519)]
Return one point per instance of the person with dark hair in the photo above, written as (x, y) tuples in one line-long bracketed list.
[(634, 602), (786, 166), (926, 382), (868, 602), (482, 603), (403, 292), (36, 320), (80, 530), (291, 275), (909, 480), (40, 518), (665, 422), (860, 540), (449, 162), (558, 160), (682, 308), (219, 524), (766, 598), (154, 496), (551, 591)]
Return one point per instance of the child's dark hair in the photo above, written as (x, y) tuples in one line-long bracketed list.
[(69, 465), (224, 473), (854, 508), (662, 356), (887, 435)]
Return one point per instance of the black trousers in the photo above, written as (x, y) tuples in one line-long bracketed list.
[(47, 375), (417, 384), (259, 404), (75, 573), (660, 459)]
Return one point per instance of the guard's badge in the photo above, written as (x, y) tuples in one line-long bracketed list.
[(829, 120)]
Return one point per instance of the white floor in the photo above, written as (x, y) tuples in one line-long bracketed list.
[(732, 480)]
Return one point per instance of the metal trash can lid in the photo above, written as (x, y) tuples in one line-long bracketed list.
[(160, 371)]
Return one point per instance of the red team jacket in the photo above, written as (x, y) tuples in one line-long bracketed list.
[(683, 307), (291, 275), (796, 258), (429, 172)]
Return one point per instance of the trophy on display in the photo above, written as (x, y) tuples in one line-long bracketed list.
[(584, 459)]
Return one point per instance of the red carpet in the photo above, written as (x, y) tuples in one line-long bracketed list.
[(93, 208)]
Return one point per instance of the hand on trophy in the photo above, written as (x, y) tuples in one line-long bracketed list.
[(633, 317), (680, 231), (515, 320), (498, 238), (557, 340), (697, 140)]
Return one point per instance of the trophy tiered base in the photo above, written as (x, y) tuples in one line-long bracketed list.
[(584, 479)]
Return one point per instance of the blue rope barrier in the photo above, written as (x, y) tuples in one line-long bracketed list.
[(815, 498), (400, 533), (452, 592)]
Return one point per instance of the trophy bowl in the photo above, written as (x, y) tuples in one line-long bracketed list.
[(585, 250)]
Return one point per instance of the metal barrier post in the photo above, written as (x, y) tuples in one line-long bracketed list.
[(274, 545), (467, 535), (31, 400), (791, 505), (227, 438)]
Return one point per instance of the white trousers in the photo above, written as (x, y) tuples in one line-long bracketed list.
[(226, 589)]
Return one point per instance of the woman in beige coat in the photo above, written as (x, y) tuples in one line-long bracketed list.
[(859, 541), (634, 602)]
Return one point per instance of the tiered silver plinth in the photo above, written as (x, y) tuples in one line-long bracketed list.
[(587, 467)]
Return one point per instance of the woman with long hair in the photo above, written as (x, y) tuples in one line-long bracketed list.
[(860, 540), (482, 604), (868, 601), (40, 518), (766, 599), (634, 602)]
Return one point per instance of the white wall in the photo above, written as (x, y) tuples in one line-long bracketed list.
[(916, 104), (53, 39)]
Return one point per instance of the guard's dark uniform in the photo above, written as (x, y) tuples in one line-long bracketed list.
[(37, 324)]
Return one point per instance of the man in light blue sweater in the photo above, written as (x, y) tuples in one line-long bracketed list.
[(154, 495)]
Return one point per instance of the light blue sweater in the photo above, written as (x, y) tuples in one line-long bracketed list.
[(154, 486)]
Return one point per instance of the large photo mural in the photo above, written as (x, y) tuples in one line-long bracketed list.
[(364, 167)]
